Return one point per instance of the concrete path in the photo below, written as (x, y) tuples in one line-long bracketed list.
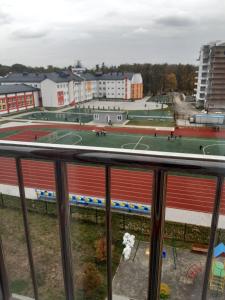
[(184, 108), (123, 105)]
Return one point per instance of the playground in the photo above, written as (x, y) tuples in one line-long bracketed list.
[(175, 141), (182, 274)]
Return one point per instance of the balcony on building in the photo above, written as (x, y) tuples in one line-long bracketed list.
[(159, 166)]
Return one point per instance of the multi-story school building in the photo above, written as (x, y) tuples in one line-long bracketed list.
[(66, 88), (15, 98)]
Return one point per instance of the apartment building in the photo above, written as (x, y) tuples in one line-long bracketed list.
[(115, 85), (210, 90)]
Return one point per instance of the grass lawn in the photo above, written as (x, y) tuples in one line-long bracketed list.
[(168, 111), (46, 251)]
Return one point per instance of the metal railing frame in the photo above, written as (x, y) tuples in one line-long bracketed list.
[(158, 162)]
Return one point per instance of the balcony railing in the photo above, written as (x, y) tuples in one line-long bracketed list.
[(158, 162)]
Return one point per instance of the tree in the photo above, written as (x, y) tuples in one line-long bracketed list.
[(97, 68), (19, 68), (170, 82), (103, 67), (101, 249), (89, 279)]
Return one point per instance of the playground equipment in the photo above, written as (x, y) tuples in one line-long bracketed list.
[(217, 279), (174, 251), (193, 271)]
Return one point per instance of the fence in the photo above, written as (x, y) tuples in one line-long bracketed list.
[(139, 224)]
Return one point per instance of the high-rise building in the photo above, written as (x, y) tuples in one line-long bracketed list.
[(210, 91)]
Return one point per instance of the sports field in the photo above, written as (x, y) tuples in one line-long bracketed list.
[(179, 143), (136, 142)]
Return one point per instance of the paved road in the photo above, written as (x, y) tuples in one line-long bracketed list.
[(184, 108)]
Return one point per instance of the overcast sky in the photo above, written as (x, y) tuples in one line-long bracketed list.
[(59, 32)]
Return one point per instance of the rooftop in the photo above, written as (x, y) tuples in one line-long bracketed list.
[(16, 88), (64, 76)]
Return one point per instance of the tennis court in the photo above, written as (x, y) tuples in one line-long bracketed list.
[(60, 117), (86, 115), (136, 141)]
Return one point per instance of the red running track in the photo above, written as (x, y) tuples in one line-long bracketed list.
[(188, 193), (27, 135)]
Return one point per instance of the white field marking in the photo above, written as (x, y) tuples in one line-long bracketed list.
[(70, 134), (146, 146), (79, 139), (163, 137), (131, 144), (207, 146), (62, 136), (124, 145), (138, 143)]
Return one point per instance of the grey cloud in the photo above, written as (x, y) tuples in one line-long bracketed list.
[(175, 21), (29, 34), (111, 14), (4, 18)]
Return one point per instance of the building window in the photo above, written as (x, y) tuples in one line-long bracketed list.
[(119, 118), (202, 95), (203, 81), (96, 116), (2, 104)]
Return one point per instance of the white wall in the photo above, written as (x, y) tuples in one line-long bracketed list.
[(137, 79), (200, 85), (112, 89), (71, 92), (36, 98), (128, 89), (49, 93), (77, 91), (172, 214)]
